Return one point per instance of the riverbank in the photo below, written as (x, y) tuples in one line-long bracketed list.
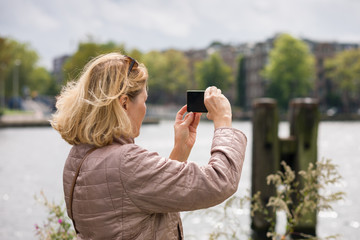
[(238, 115), (34, 120), (27, 119), (155, 113)]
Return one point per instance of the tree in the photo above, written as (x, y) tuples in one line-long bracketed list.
[(6, 47), (177, 78), (5, 59), (86, 51), (22, 62), (168, 76), (290, 71), (241, 83), (136, 54), (19, 70), (213, 72), (344, 69), (155, 62), (41, 82)]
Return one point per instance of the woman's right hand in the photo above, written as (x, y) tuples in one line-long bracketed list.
[(218, 106), (185, 134)]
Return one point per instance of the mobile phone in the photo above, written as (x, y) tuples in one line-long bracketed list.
[(195, 101)]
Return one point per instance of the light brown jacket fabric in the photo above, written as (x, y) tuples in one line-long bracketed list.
[(126, 192)]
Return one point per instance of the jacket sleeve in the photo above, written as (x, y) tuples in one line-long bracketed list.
[(156, 184)]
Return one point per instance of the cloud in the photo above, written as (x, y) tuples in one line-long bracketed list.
[(55, 27), (24, 14), (170, 18)]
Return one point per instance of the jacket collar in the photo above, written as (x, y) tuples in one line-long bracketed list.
[(123, 140), (83, 147)]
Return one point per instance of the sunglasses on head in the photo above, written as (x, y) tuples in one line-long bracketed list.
[(133, 63)]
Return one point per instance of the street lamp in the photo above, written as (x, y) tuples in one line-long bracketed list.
[(16, 82), (2, 88)]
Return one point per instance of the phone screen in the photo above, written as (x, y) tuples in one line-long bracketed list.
[(195, 101)]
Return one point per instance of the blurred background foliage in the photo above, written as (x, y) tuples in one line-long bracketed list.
[(169, 70), (289, 72), (19, 59), (344, 69)]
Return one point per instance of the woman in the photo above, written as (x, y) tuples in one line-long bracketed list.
[(124, 191)]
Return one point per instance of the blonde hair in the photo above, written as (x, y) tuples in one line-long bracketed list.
[(89, 110)]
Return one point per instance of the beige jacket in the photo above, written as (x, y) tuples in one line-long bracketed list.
[(126, 192)]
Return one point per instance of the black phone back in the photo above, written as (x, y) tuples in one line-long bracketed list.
[(195, 101)]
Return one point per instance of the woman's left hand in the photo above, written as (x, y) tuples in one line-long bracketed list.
[(185, 134)]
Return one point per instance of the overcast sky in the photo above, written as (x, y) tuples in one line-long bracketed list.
[(55, 27)]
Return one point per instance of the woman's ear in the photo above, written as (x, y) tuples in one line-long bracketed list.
[(124, 99)]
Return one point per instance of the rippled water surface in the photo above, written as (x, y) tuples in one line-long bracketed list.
[(31, 160)]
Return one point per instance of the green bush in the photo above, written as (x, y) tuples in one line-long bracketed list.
[(312, 196)]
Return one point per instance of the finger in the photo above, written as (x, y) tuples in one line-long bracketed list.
[(212, 90), (208, 115), (209, 91), (181, 112), (196, 121), (188, 119)]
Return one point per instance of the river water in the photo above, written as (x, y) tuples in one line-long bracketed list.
[(32, 159)]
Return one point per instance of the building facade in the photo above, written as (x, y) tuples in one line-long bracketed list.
[(58, 71), (257, 56)]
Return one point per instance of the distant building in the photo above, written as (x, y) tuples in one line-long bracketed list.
[(58, 68), (257, 55), (195, 56), (228, 53), (324, 86)]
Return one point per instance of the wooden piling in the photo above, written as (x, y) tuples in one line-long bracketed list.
[(304, 122), (298, 151), (265, 154)]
